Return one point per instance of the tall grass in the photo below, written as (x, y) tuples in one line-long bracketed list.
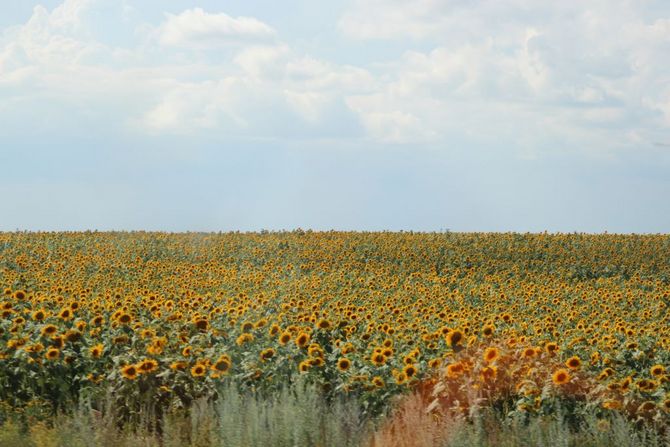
[(411, 426), (295, 416), (300, 416)]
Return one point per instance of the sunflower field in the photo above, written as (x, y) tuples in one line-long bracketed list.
[(523, 323)]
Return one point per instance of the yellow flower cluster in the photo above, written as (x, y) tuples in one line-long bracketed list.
[(369, 313)]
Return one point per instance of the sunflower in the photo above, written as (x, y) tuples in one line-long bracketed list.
[(147, 366), (267, 354), (551, 348), (201, 324), (52, 354), (647, 385), (178, 365), (155, 348), (274, 330), (434, 363), (573, 362), (284, 338), (97, 320), (454, 338), (124, 318), (222, 365), (529, 353), (454, 370), (39, 315), (491, 354), (343, 364), (657, 370), (409, 370), (560, 377), (315, 350), (302, 339), (37, 347), (316, 361), (401, 378), (57, 341), (488, 330), (378, 359), (304, 366), (129, 372), (65, 313), (378, 382), (324, 324), (48, 329), (147, 333), (244, 338), (96, 350), (198, 370), (73, 336), (120, 339), (348, 348)]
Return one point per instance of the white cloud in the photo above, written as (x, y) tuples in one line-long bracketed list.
[(200, 29), (585, 66), (545, 73), (255, 89)]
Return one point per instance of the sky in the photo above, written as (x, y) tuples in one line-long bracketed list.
[(430, 115)]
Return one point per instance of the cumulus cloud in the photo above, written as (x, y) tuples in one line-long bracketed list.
[(197, 28), (587, 71), (453, 72), (61, 75)]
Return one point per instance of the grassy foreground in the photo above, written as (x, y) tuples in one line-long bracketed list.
[(301, 416)]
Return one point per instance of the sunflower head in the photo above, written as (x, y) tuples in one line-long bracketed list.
[(488, 330), (198, 370), (96, 350), (560, 377), (52, 354), (491, 354), (202, 324), (657, 370), (304, 366), (378, 382), (267, 354), (129, 372), (573, 362), (147, 366), (323, 324), (302, 339), (48, 330), (343, 364), (222, 365), (454, 338), (409, 370), (378, 359), (401, 378), (454, 370)]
